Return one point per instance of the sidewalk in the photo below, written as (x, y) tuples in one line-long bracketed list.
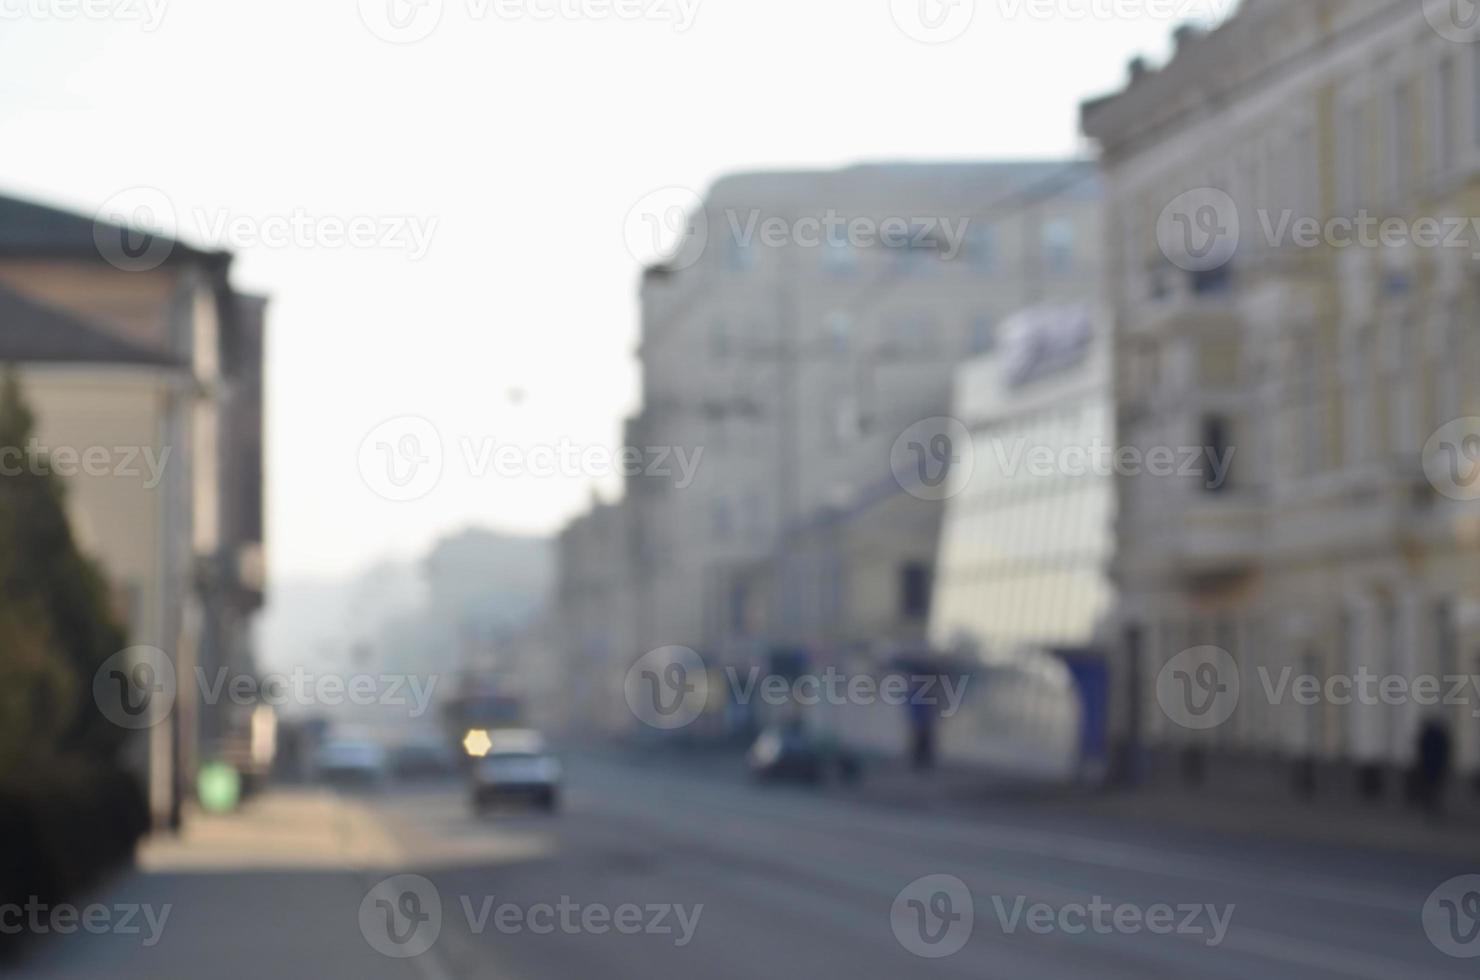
[(1388, 829), (273, 890), (1385, 828), (1380, 827)]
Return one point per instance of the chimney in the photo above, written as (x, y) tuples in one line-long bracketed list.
[(1139, 69), (1185, 35)]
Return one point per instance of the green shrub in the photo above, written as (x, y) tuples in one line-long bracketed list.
[(67, 807)]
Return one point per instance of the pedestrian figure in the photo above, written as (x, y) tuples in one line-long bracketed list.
[(1432, 766)]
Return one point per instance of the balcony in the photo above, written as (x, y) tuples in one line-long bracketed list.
[(1176, 300), (1382, 507), (1217, 533), (1195, 534)]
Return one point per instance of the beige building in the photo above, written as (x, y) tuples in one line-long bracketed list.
[(825, 316), (860, 573), (594, 596), (147, 367), (1251, 313), (812, 319)]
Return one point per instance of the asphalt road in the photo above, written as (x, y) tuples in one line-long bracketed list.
[(653, 873)]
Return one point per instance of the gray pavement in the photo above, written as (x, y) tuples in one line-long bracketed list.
[(256, 894), (657, 872)]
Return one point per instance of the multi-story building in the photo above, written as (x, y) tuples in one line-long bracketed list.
[(858, 573), (823, 316), (594, 596), (135, 344), (1253, 315)]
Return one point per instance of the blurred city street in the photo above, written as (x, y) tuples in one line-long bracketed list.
[(1007, 507), (791, 883)]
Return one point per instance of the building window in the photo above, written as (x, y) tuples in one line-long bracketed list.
[(1446, 645), (981, 246), (1442, 118), (1160, 280), (1218, 444), (1212, 282), (914, 590), (1058, 246)]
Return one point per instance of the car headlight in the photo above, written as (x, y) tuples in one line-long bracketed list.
[(766, 750)]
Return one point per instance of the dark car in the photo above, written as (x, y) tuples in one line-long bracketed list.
[(423, 758), (793, 753)]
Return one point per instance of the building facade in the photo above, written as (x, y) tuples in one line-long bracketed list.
[(594, 595), (858, 574), (138, 344), (797, 359), (1025, 550), (1251, 314), (810, 320)]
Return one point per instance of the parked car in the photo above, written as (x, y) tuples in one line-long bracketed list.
[(426, 757), (792, 752), (351, 762), (513, 765)]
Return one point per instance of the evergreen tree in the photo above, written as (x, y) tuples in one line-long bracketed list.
[(56, 628)]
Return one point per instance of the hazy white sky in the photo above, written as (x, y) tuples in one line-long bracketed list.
[(520, 135)]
